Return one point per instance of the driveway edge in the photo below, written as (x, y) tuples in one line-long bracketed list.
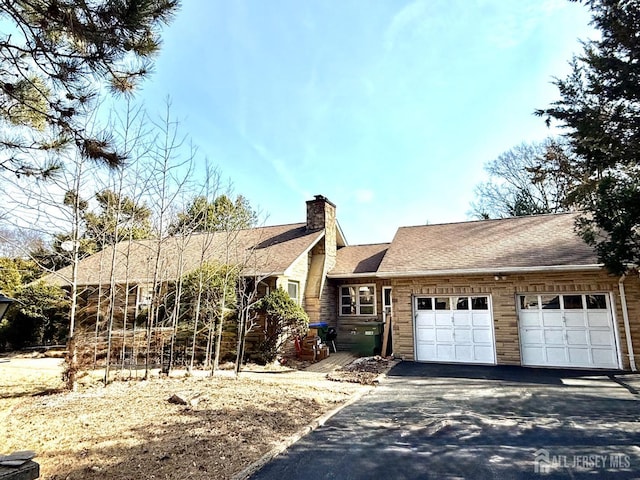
[(286, 443)]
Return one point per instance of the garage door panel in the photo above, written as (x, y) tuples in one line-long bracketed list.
[(483, 354), (604, 357), (553, 337), (445, 352), (482, 336), (601, 338), (530, 319), (556, 355), (461, 319), (531, 336), (464, 353), (598, 319), (577, 337), (425, 320), (444, 335), (552, 319), (579, 356), (575, 331), (463, 336), (426, 352), (481, 320), (443, 319), (426, 334), (533, 356), (575, 320)]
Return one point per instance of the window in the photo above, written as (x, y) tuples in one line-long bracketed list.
[(461, 303), (563, 302), (550, 302), (596, 302), (293, 288), (386, 300), (529, 302), (452, 303), (572, 302), (479, 303), (442, 303), (424, 304), (145, 294), (358, 300)]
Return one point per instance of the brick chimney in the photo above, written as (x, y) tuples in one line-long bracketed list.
[(320, 213)]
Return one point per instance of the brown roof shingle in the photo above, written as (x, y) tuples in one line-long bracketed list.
[(359, 259), (263, 251), (511, 243)]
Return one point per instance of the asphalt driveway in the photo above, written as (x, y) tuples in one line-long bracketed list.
[(446, 421)]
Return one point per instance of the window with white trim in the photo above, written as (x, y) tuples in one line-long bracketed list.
[(358, 300), (293, 288), (386, 300)]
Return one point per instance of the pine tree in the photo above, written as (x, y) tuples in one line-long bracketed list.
[(54, 57), (599, 107)]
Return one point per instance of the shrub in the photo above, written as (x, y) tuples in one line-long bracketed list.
[(284, 318)]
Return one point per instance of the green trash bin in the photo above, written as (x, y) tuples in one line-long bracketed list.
[(368, 339), (323, 328)]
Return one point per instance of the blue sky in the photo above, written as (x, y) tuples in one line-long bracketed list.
[(388, 108)]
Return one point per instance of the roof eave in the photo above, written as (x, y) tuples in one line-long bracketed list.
[(287, 271), (341, 240), (351, 275), (491, 271)]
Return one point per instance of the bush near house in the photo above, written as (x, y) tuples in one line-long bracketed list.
[(284, 318)]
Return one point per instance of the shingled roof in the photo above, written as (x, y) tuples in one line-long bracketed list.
[(358, 260), (540, 242), (262, 251)]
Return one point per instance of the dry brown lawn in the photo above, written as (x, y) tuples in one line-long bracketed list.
[(128, 430)]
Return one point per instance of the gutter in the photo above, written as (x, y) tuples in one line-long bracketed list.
[(627, 328), (353, 275), (491, 271), (472, 271)]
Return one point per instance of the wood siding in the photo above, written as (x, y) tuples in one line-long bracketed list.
[(345, 323)]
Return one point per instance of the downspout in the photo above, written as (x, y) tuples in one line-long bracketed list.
[(627, 329)]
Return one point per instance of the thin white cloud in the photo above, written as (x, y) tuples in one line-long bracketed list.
[(284, 173), (364, 195), (407, 18)]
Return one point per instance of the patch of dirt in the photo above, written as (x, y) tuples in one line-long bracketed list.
[(129, 429), (365, 370)]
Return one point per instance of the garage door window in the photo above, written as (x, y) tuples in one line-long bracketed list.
[(442, 303), (462, 303), (453, 303), (550, 302), (479, 303), (529, 302), (596, 302), (572, 302), (425, 304), (569, 302)]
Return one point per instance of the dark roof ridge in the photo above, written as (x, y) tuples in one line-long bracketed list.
[(368, 244), (297, 224)]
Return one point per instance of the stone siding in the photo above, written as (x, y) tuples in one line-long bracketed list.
[(319, 299), (503, 294)]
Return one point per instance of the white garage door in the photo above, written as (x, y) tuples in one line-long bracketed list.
[(567, 331), (454, 329)]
